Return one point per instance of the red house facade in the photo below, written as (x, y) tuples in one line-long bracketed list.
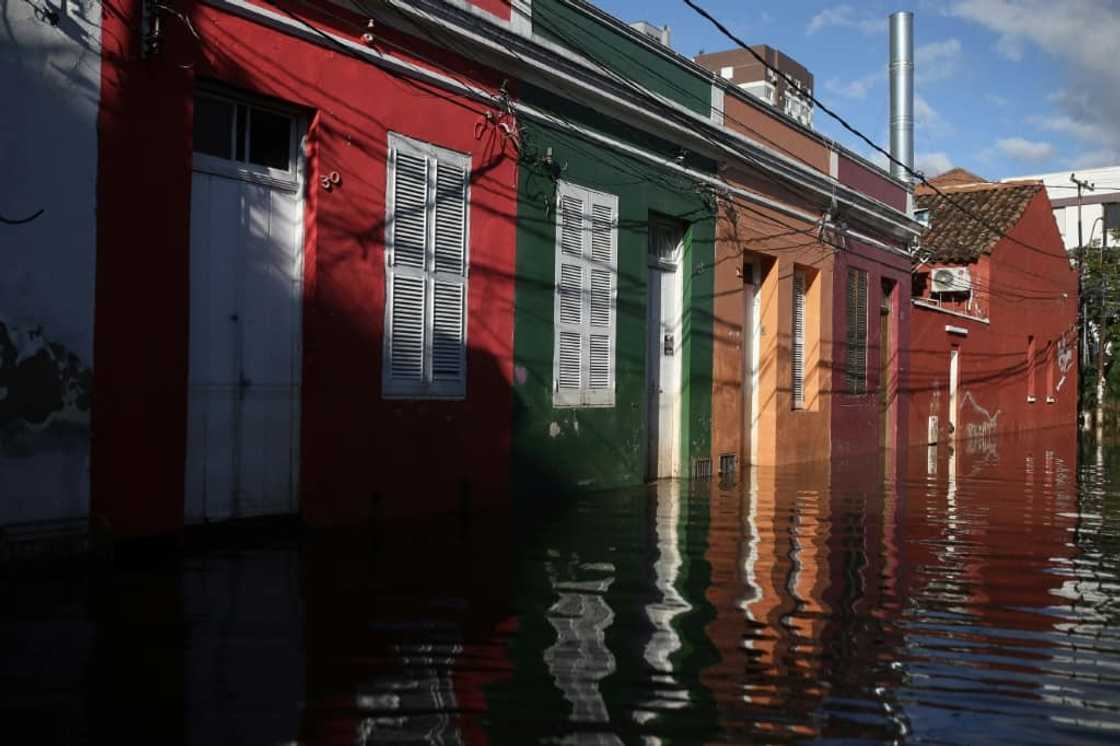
[(993, 325), (240, 315)]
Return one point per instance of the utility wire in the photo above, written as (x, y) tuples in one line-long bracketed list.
[(857, 133)]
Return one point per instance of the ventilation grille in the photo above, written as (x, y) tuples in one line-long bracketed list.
[(702, 468)]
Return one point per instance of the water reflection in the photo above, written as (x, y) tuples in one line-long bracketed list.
[(952, 595)]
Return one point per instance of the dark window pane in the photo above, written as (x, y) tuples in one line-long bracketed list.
[(239, 131), (212, 120), (270, 139)]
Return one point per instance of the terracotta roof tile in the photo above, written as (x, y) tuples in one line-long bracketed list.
[(954, 237), (952, 177)]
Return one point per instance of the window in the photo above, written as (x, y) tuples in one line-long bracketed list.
[(797, 341), (234, 130), (426, 256), (727, 72), (665, 242), (855, 368), (584, 313), (922, 216)]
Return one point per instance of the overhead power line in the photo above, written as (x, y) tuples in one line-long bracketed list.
[(857, 133)]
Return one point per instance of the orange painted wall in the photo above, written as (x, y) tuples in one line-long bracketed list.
[(780, 244), (774, 132)]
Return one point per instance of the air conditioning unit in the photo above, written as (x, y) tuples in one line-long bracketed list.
[(934, 431), (951, 280)]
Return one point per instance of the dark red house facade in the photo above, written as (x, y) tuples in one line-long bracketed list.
[(993, 325), (263, 367)]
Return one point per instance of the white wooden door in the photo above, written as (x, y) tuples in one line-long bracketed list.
[(664, 372), (954, 382), (245, 322)]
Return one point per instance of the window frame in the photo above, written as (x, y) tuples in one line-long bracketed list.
[(584, 396), (289, 179), (427, 388)]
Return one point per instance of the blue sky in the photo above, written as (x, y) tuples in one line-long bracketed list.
[(1004, 87)]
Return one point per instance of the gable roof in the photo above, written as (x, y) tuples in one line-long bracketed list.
[(952, 177), (956, 238)]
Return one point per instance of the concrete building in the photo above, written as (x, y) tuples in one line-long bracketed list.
[(1100, 208), (742, 69)]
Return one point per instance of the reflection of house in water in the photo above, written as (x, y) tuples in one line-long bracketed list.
[(813, 567)]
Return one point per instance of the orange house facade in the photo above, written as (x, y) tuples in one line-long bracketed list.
[(811, 307)]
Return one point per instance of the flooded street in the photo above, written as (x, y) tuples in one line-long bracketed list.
[(943, 598)]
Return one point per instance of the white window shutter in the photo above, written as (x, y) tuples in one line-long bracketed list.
[(449, 296), (603, 261), (797, 345), (427, 262), (407, 341), (570, 308), (409, 210), (586, 282)]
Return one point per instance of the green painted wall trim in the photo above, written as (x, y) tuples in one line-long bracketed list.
[(562, 451), (568, 26)]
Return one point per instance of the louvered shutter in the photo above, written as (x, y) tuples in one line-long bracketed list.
[(586, 280), (797, 346), (603, 271), (570, 316), (856, 367), (449, 294), (426, 271), (406, 329)]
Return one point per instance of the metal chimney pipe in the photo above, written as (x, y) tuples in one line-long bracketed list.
[(902, 93)]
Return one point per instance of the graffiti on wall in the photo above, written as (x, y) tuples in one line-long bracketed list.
[(42, 384), (1065, 361)]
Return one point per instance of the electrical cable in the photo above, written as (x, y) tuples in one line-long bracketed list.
[(856, 132)]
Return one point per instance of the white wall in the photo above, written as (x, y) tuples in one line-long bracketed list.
[(1059, 187), (50, 76)]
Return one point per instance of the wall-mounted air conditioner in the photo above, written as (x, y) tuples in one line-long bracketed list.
[(951, 280)]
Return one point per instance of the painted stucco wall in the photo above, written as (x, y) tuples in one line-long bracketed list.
[(50, 68), (857, 419), (858, 176), (362, 455), (779, 244), (1033, 292), (774, 132), (574, 449)]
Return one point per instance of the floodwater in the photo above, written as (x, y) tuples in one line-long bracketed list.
[(961, 597)]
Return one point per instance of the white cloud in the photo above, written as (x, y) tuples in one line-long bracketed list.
[(928, 120), (857, 88), (937, 60), (1081, 130), (1026, 151), (996, 100), (1096, 159), (933, 164), (1079, 34), (845, 16)]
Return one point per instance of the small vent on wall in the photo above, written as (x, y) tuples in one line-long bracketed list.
[(702, 468), (728, 464)]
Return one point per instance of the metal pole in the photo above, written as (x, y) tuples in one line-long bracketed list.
[(1082, 319), (1100, 333)]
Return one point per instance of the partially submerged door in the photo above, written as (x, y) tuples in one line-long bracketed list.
[(751, 333), (245, 313), (954, 382), (663, 349)]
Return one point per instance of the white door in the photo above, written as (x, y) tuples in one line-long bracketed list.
[(752, 317), (663, 350), (954, 374), (245, 319)]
